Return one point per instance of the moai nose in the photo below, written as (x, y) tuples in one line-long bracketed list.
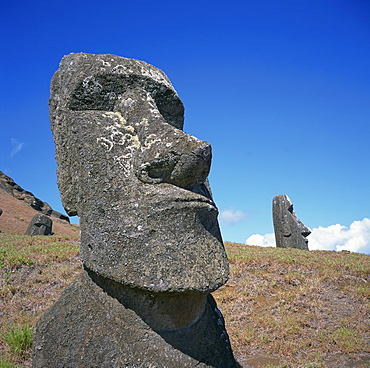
[(306, 232), (167, 154), (192, 166), (185, 161)]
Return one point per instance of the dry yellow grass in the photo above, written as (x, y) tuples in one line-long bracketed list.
[(296, 308), (33, 273), (283, 308)]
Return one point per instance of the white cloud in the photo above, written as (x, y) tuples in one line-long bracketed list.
[(231, 217), (355, 238), (267, 240), (16, 147)]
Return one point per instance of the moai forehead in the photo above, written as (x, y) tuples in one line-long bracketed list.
[(137, 181), (289, 230)]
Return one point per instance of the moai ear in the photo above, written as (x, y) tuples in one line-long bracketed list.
[(282, 215), (67, 188), (59, 119)]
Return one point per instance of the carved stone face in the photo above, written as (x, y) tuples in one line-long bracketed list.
[(136, 180), (289, 230)]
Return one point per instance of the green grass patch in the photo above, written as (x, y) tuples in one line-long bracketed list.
[(18, 250), (33, 272), (6, 363), (348, 340), (19, 340)]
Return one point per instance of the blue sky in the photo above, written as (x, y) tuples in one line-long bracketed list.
[(281, 89)]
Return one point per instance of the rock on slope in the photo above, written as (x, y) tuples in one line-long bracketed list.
[(19, 206)]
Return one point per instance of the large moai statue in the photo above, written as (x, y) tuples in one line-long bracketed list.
[(150, 241), (289, 230)]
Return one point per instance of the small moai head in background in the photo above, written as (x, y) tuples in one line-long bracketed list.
[(40, 225), (289, 230), (137, 181)]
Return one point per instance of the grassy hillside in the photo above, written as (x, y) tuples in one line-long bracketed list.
[(299, 308), (283, 308)]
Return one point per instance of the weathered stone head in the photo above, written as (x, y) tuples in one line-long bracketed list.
[(136, 180), (40, 225), (289, 230)]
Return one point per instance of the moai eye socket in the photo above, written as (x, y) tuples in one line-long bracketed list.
[(101, 92), (170, 107)]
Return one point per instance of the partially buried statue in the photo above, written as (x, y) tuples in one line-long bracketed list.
[(289, 230), (40, 224), (150, 241)]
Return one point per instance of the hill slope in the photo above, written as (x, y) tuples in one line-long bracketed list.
[(17, 215), (283, 307), (299, 308)]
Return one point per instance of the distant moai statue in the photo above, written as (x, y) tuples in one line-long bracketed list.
[(40, 225), (150, 241), (289, 230)]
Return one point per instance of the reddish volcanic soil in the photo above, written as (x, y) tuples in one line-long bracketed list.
[(17, 215)]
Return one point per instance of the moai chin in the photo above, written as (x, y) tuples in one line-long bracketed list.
[(289, 230), (150, 239)]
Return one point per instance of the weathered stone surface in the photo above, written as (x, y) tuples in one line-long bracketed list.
[(136, 180), (40, 225), (150, 240), (95, 329), (289, 230)]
